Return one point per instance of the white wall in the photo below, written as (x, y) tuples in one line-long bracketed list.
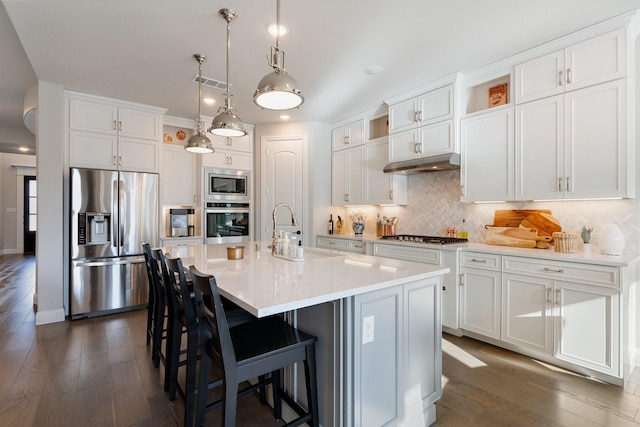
[(10, 224)]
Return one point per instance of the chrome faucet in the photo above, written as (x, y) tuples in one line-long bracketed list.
[(293, 217)]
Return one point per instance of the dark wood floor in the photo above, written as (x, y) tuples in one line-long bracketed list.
[(98, 372)]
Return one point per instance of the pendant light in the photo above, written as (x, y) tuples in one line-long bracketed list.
[(199, 143), (227, 123), (278, 90)]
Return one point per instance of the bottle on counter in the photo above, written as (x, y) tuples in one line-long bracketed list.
[(286, 244), (463, 230), (293, 245), (277, 245), (330, 225)]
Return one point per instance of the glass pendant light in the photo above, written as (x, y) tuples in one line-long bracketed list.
[(278, 90), (227, 123), (199, 143)]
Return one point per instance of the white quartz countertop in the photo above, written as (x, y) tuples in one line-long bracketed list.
[(266, 285)]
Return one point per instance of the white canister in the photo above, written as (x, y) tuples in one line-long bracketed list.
[(611, 240)]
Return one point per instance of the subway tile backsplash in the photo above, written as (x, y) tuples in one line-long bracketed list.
[(434, 205)]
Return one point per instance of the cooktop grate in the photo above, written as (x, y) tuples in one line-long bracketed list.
[(410, 238)]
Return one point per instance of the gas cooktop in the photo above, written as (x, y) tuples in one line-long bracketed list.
[(410, 238)]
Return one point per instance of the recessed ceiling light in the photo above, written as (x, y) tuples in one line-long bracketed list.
[(209, 101), (23, 149), (373, 69), (285, 117), (284, 30)]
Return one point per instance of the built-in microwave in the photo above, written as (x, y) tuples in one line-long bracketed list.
[(227, 185)]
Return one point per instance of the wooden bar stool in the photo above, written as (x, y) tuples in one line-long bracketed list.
[(252, 349)]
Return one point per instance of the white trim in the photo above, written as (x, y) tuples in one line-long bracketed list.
[(50, 316), (8, 251)]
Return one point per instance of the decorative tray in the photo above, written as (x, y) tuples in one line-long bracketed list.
[(287, 258)]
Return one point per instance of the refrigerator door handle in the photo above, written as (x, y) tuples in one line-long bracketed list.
[(102, 263), (115, 218)]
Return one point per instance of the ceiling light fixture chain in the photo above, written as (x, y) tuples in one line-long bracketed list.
[(227, 123), (278, 90), (199, 143)]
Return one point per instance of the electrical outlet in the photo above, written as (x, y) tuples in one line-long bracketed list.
[(367, 329)]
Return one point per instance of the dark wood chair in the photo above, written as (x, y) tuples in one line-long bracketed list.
[(254, 349), (159, 315)]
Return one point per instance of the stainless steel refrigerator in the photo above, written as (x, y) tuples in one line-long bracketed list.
[(112, 214)]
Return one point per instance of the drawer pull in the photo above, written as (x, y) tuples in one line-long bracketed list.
[(484, 261), (357, 246), (551, 270), (549, 296), (332, 243)]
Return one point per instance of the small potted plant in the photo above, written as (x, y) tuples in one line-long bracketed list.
[(586, 238)]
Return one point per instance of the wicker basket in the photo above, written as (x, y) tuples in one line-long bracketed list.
[(565, 242)]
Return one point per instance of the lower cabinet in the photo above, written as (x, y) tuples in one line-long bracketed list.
[(341, 244)]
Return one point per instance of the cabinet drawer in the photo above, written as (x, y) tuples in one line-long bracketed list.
[(480, 260), (565, 271), (340, 244), (357, 246), (429, 256)]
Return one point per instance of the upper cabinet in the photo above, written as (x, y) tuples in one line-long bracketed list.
[(347, 136), (431, 107), (230, 153), (597, 60), (109, 135)]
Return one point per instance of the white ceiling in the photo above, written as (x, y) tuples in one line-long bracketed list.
[(141, 50)]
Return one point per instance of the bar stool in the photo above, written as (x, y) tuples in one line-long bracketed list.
[(249, 350), (151, 301), (159, 316)]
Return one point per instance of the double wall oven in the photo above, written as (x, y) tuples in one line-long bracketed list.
[(227, 206)]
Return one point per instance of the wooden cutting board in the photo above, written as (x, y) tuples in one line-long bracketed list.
[(545, 223), (516, 236), (513, 217)]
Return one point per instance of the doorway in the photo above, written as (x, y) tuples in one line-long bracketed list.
[(30, 213)]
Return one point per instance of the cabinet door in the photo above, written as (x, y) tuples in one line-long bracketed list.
[(435, 106), (378, 184), (330, 243), (403, 146), (587, 326), (403, 115), (540, 149), (597, 149), (597, 60), (355, 180), (217, 159), (239, 160), (527, 312), (140, 155), (139, 124), (93, 117), (355, 133), (435, 139), (540, 77), (93, 150), (487, 169), (339, 139), (179, 170), (480, 301), (339, 178), (242, 143)]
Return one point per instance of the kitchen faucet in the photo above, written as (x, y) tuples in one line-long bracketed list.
[(293, 217)]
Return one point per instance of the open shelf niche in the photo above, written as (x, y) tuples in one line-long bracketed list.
[(378, 127), (478, 95)]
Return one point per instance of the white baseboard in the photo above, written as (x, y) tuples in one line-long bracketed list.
[(8, 251), (50, 316)]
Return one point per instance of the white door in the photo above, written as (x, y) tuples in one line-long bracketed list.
[(283, 179)]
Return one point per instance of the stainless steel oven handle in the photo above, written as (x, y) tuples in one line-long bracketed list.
[(227, 211)]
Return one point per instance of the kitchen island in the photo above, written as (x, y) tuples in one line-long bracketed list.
[(377, 322)]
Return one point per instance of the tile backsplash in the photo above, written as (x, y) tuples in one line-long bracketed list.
[(434, 205)]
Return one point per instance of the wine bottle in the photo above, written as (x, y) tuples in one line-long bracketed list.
[(330, 223)]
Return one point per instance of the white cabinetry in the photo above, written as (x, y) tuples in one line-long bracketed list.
[(480, 293), (179, 176), (341, 244), (580, 301), (422, 142), (431, 107), (380, 187), (487, 151), (230, 153), (348, 177), (347, 136), (593, 61), (105, 134), (574, 145)]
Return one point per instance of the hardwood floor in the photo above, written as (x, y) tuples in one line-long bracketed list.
[(98, 372)]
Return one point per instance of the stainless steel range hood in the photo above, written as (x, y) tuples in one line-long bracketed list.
[(426, 164)]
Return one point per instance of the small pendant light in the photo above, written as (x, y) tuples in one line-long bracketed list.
[(198, 142), (278, 90), (227, 123)]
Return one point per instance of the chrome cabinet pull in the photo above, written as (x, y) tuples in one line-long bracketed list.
[(114, 160), (549, 295), (119, 160), (417, 116), (560, 83), (551, 270), (568, 183), (568, 75), (346, 139), (444, 288), (115, 125), (484, 261), (120, 125), (560, 181), (557, 292)]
